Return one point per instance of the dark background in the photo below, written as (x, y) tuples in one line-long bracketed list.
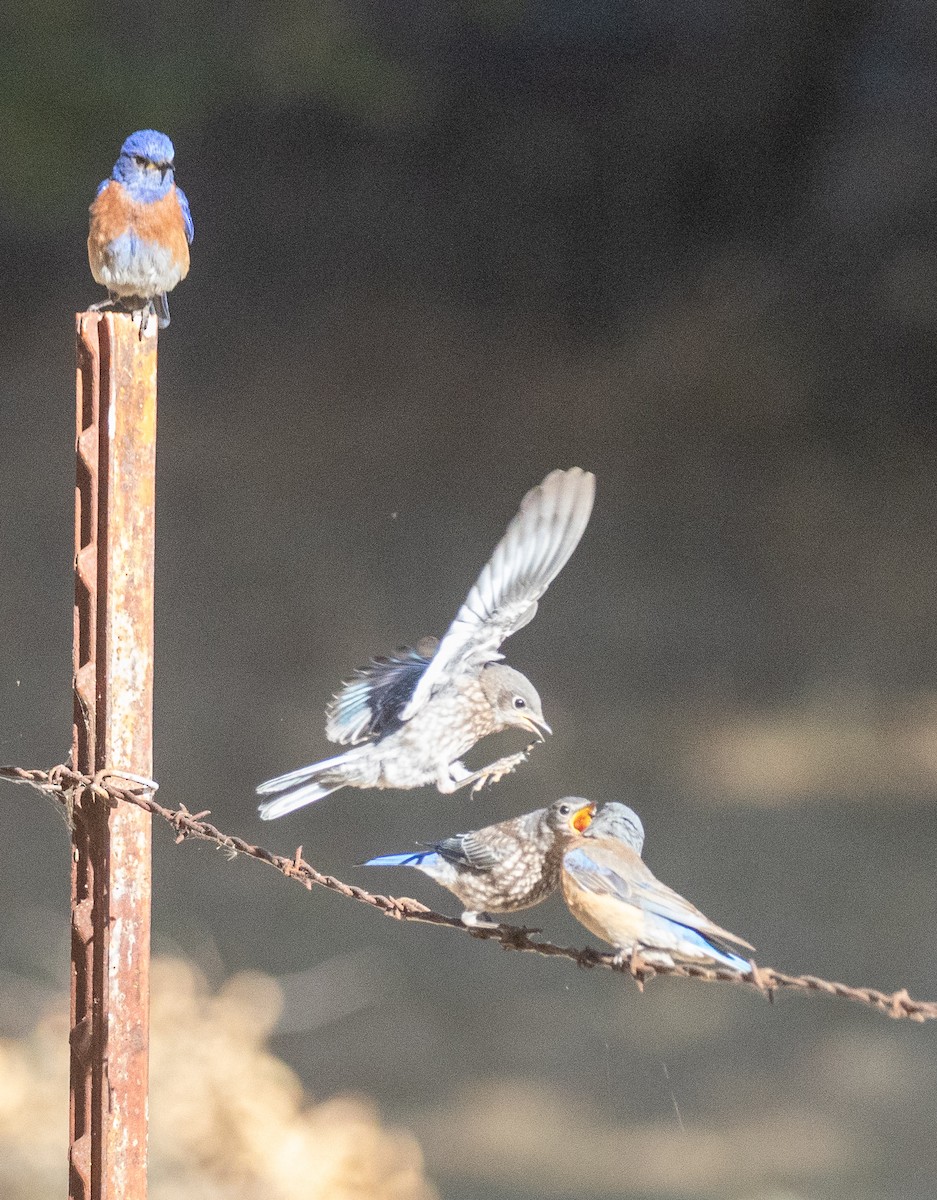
[(688, 246)]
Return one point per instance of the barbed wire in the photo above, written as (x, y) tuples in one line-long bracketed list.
[(66, 786)]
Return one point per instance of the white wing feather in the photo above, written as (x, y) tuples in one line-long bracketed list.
[(536, 546)]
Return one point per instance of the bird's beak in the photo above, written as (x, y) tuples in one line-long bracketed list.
[(582, 818), (537, 726)]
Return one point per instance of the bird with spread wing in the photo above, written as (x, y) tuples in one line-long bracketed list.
[(410, 717)]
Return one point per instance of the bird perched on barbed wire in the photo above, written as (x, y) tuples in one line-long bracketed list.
[(141, 228), (410, 717), (610, 890), (505, 867)]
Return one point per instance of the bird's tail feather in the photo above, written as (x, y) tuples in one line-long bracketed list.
[(735, 961), (722, 956), (400, 860), (271, 809), (284, 783), (302, 786)]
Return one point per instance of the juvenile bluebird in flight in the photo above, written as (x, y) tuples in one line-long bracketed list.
[(141, 227), (608, 889), (505, 867), (410, 717)]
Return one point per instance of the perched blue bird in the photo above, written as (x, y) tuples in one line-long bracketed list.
[(505, 867), (608, 888), (141, 228), (410, 717)]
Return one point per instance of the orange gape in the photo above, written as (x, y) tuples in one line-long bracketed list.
[(583, 819)]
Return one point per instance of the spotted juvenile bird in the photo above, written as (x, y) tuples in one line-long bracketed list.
[(505, 867), (141, 228), (410, 717), (608, 888)]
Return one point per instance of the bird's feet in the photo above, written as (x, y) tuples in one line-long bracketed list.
[(151, 311), (479, 920), (634, 961), (498, 769), (493, 772), (509, 933), (135, 306)]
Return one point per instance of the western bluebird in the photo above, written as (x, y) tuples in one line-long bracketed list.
[(505, 867), (141, 227), (609, 889), (410, 717)]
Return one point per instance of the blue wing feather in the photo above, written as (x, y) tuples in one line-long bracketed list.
[(186, 214), (594, 877), (101, 186), (369, 705)]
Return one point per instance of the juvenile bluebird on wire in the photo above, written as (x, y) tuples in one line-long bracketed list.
[(608, 888), (410, 717), (505, 867), (141, 227)]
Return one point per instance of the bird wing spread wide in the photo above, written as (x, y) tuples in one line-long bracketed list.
[(613, 869), (368, 706), (535, 548)]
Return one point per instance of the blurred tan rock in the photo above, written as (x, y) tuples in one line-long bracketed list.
[(824, 749), (229, 1120)]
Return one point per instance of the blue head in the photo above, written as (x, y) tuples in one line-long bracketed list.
[(145, 165), (616, 820)]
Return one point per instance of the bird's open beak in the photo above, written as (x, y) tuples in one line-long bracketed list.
[(537, 726), (582, 818)]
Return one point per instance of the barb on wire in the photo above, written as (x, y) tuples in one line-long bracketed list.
[(65, 785)]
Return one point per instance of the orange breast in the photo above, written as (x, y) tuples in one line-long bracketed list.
[(114, 214), (162, 222), (110, 217)]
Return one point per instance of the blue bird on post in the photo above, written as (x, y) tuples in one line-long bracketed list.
[(608, 888), (409, 718), (141, 228)]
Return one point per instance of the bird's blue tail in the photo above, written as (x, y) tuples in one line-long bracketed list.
[(723, 957), (416, 859)]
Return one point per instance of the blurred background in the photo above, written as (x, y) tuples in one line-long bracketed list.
[(440, 250)]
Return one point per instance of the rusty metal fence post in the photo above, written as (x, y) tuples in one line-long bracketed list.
[(113, 661)]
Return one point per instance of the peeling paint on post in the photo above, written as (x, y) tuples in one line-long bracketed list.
[(113, 660)]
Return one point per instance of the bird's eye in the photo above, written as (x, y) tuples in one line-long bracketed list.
[(139, 160), (565, 810), (520, 702)]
